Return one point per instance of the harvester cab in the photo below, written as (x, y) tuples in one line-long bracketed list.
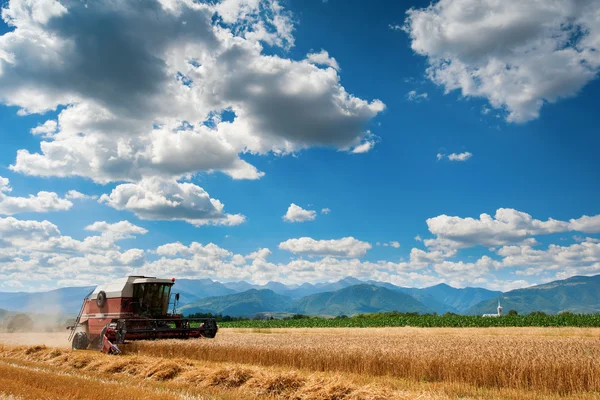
[(134, 308)]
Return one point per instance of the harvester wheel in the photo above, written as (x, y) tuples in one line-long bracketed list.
[(210, 330), (80, 341), (101, 299)]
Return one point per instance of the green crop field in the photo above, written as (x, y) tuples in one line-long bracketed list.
[(442, 321)]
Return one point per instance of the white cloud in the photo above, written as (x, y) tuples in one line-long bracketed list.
[(394, 244), (34, 252), (345, 247), (15, 231), (118, 231), (518, 55), (158, 199), (156, 110), (260, 253), (418, 238), (586, 224), (465, 271), (195, 249), (75, 195), (322, 58), (454, 156), (507, 227), (42, 202), (416, 97), (395, 27), (325, 211), (366, 146), (581, 258), (5, 185), (47, 129), (580, 239), (460, 156), (37, 251), (298, 214)]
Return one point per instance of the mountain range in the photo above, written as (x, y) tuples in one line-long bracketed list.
[(347, 296)]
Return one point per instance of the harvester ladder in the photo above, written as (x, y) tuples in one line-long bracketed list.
[(79, 316)]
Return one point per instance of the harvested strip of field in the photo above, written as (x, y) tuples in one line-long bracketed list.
[(557, 361), (92, 375), (173, 375), (38, 384)]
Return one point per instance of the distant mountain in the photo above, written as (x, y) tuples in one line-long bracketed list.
[(346, 296), (192, 290), (246, 303), (460, 299), (579, 294), (240, 286), (428, 300), (60, 301), (357, 299)]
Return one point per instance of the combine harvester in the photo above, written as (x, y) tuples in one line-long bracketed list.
[(133, 308)]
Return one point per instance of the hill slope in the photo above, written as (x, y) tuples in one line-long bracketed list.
[(579, 294), (359, 299), (246, 303)]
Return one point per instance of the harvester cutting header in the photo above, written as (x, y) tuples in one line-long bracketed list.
[(134, 308)]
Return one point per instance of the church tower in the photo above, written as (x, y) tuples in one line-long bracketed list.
[(499, 309)]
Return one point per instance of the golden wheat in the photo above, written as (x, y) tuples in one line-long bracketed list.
[(483, 357), (41, 372), (321, 364)]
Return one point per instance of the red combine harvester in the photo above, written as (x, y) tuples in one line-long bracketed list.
[(133, 308)]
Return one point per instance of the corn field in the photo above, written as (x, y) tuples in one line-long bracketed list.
[(425, 321)]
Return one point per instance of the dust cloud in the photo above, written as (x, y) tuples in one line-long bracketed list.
[(53, 339)]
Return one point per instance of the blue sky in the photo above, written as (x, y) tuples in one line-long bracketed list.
[(520, 123)]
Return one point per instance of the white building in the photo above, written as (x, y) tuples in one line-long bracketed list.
[(495, 315)]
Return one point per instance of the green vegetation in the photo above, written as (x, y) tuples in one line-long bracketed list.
[(537, 319)]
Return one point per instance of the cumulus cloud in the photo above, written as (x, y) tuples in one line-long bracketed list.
[(37, 251), (518, 55), (298, 214), (393, 244), (119, 230), (580, 258), (325, 211), (158, 199), (144, 94), (508, 226), (345, 247), (75, 195), (34, 251), (586, 224), (195, 249), (47, 129), (40, 203), (5, 185), (322, 58), (260, 253)]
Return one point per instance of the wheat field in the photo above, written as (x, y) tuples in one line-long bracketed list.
[(395, 363)]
